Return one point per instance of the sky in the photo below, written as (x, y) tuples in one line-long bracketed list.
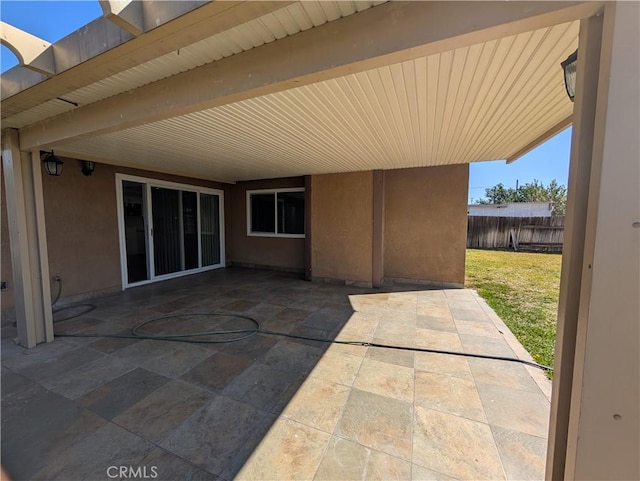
[(53, 20)]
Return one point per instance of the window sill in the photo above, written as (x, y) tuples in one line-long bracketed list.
[(267, 234)]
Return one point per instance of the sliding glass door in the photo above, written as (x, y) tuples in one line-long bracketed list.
[(167, 244), (134, 209), (167, 229)]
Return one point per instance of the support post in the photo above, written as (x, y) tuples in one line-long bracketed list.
[(377, 269), (574, 239), (594, 410), (307, 228), (27, 236)]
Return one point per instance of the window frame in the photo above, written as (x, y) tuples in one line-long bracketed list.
[(250, 233)]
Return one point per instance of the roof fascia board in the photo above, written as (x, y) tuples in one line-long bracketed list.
[(21, 94), (157, 13), (19, 78), (95, 38), (345, 46), (556, 129)]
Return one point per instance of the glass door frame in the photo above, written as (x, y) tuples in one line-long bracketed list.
[(149, 183)]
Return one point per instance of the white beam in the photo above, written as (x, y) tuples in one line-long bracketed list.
[(28, 241), (33, 52), (556, 129), (139, 16), (126, 14), (113, 50), (387, 34)]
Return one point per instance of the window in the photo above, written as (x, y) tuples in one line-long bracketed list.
[(275, 213)]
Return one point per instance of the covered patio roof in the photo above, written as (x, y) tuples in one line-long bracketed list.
[(230, 92)]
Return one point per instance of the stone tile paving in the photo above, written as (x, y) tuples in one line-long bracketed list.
[(274, 407)]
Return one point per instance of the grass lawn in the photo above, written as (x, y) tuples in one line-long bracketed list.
[(523, 290)]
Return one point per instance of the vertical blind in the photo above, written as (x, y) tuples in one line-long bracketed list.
[(185, 232), (210, 229), (166, 230)]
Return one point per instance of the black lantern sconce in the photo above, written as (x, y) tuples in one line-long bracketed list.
[(52, 164), (569, 66), (88, 167)]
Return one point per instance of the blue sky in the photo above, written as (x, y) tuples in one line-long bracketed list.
[(52, 20), (547, 162)]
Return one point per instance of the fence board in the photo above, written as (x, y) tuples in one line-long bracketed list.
[(531, 233)]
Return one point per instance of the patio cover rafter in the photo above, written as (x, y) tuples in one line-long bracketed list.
[(128, 15), (345, 46), (32, 52), (21, 92)]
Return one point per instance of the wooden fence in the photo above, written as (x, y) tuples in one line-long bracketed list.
[(518, 233)]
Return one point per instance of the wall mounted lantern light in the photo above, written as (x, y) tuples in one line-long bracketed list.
[(569, 67), (88, 167), (52, 164)]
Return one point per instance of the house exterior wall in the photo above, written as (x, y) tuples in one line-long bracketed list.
[(342, 226), (426, 223), (82, 226), (423, 234), (271, 252), (6, 296)]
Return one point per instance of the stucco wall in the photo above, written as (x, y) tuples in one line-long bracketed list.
[(424, 226), (273, 252), (342, 226), (426, 223), (82, 227), (6, 274)]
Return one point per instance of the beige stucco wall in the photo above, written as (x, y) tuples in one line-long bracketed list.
[(424, 234), (341, 226), (426, 223), (6, 273), (82, 227), (272, 252)]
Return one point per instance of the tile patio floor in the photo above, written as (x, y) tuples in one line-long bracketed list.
[(270, 407)]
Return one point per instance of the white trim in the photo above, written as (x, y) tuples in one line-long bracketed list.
[(147, 207), (199, 231), (223, 254), (121, 232), (148, 224), (166, 183), (250, 233), (181, 230)]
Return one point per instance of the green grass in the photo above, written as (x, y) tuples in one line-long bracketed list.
[(522, 288)]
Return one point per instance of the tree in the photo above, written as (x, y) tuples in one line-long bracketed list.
[(534, 191), (497, 194)]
